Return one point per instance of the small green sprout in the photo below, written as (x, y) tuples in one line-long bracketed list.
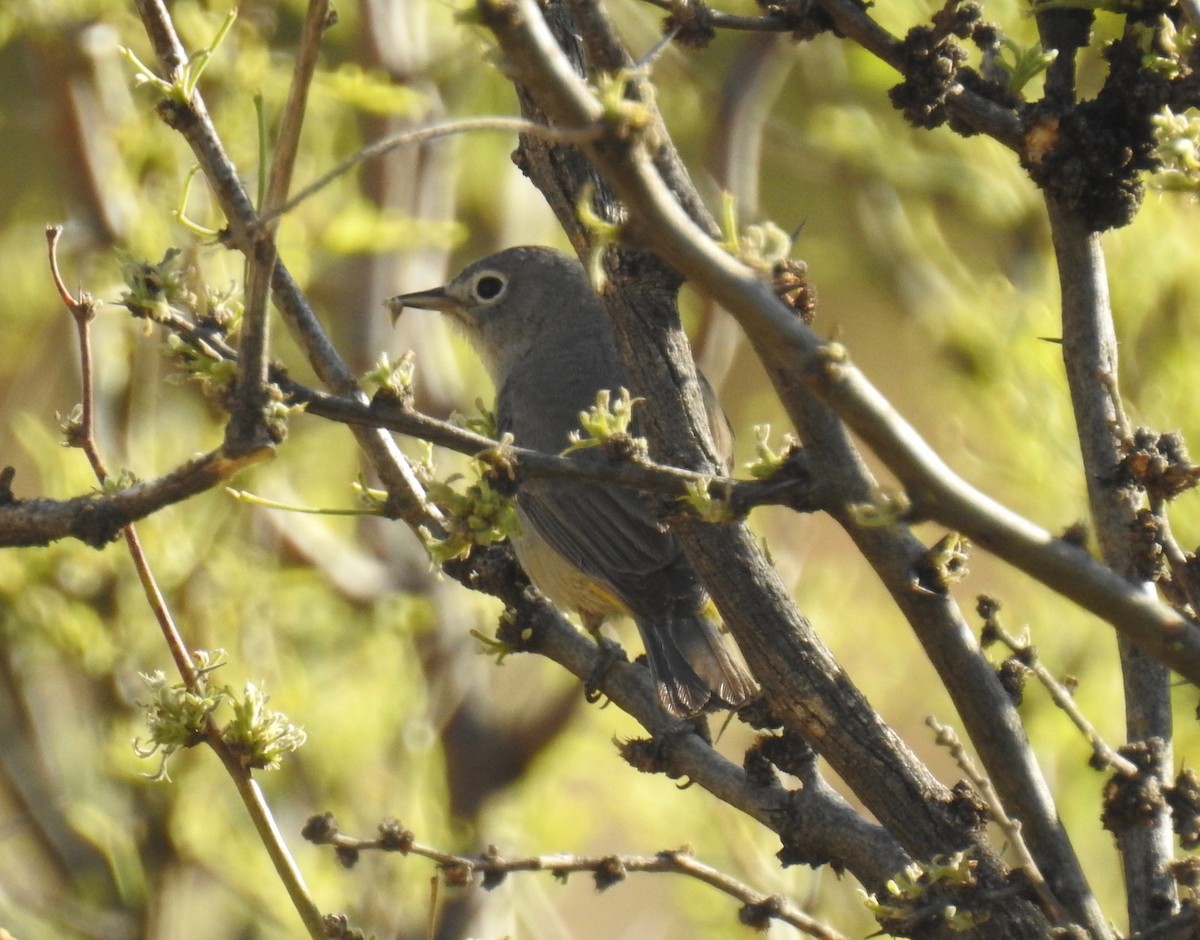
[(604, 421), (490, 646), (708, 507), (176, 717), (153, 291), (123, 479), (603, 232), (215, 374), (766, 462), (179, 717), (184, 84), (373, 500), (946, 560), (628, 114), (1177, 146), (479, 515), (180, 212), (394, 379), (500, 460), (762, 246), (922, 886), (71, 425), (885, 507), (1023, 63), (1165, 49), (483, 422)]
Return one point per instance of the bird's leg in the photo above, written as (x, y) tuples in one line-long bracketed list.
[(610, 653)]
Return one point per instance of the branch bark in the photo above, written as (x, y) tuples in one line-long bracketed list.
[(1090, 355)]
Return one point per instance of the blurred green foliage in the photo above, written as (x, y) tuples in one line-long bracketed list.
[(933, 264)]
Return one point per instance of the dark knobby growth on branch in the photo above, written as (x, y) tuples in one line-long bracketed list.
[(1158, 463), (1134, 800), (933, 64), (1091, 155), (1184, 800)]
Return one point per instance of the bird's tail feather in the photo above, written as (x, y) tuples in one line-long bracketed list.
[(691, 665)]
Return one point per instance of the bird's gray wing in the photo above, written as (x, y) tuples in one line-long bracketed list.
[(605, 532)]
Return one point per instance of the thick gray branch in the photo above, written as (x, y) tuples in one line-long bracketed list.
[(1090, 355)]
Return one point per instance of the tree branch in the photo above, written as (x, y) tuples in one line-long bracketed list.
[(758, 909), (814, 822), (1090, 355), (97, 519)]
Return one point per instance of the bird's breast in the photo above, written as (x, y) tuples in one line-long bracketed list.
[(540, 401)]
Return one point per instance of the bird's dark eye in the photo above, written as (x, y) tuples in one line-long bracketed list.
[(489, 286)]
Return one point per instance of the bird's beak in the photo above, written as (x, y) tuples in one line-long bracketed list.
[(435, 299)]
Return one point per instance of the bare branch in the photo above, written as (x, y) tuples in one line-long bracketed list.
[(1011, 827), (758, 909), (96, 520), (422, 135), (1103, 753), (1090, 354)]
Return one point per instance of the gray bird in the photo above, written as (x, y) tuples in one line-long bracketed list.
[(548, 346)]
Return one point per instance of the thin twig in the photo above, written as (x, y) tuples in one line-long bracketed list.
[(1183, 575), (947, 738), (316, 21), (757, 911), (421, 135), (1105, 754), (248, 420), (83, 311)]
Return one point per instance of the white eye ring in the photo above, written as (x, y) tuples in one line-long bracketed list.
[(487, 287)]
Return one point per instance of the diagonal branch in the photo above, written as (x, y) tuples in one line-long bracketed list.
[(814, 822)]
